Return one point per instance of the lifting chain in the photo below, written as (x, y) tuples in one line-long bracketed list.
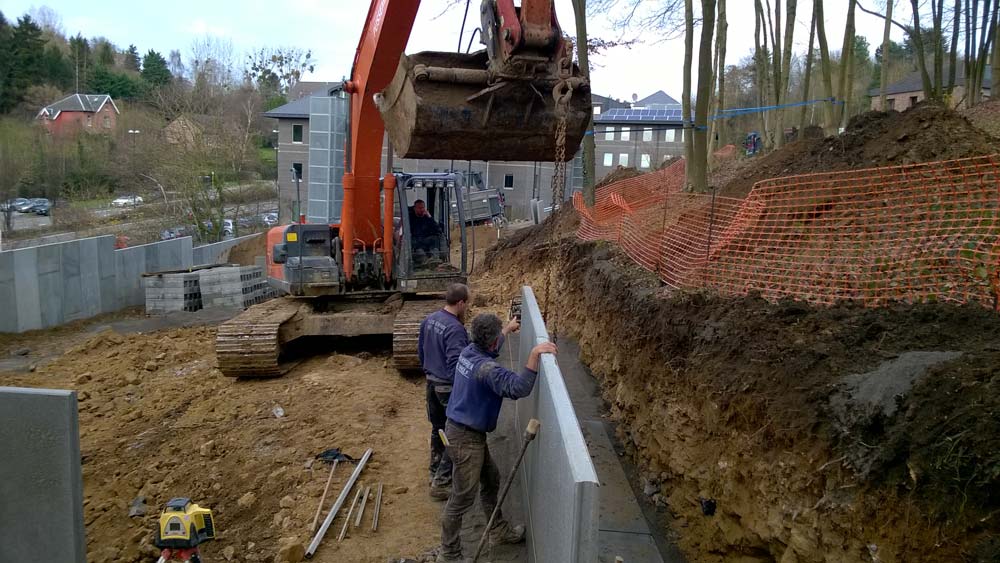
[(562, 93)]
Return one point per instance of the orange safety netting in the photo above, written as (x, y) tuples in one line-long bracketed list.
[(915, 233)]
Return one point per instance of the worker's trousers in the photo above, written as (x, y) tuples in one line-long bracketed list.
[(437, 407), (473, 471)]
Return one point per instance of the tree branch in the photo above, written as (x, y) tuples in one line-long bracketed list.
[(907, 30)]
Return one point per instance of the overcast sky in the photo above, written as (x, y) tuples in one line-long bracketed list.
[(331, 28)]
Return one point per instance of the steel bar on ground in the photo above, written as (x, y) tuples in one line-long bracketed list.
[(378, 508), (338, 504), (361, 509), (347, 521)]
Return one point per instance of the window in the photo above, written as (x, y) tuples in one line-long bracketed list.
[(597, 110), (913, 101), (623, 159), (609, 159), (668, 136), (296, 133), (647, 134), (107, 122), (891, 103), (625, 133), (508, 180), (90, 121), (609, 134), (298, 168), (644, 161)]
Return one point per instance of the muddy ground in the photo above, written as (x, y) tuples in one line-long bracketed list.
[(157, 420), (820, 434)]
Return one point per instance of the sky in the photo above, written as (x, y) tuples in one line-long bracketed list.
[(331, 29)]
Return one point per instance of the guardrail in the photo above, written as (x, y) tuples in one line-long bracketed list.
[(561, 489)]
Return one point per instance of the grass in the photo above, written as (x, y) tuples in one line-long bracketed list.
[(266, 155)]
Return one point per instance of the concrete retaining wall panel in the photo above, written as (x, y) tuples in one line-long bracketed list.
[(8, 296), (212, 253), (107, 273), (90, 280), (561, 488), (50, 304), (72, 293), (29, 314), (42, 509), (130, 264)]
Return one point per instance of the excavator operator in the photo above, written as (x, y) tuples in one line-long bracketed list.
[(426, 234)]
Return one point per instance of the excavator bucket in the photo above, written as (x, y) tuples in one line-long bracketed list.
[(445, 105)]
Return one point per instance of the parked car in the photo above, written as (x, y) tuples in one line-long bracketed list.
[(12, 203), (43, 208), (269, 219), (228, 228), (29, 205), (126, 201), (175, 232)]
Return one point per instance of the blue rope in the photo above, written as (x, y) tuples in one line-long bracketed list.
[(727, 113)]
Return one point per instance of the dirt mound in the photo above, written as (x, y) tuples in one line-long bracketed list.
[(246, 252), (819, 432), (619, 173), (985, 116), (923, 133)]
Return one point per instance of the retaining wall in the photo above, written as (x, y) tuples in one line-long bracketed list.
[(49, 285), (212, 253), (561, 489)]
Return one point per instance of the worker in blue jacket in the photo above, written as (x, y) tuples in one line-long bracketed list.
[(478, 391), (441, 339)]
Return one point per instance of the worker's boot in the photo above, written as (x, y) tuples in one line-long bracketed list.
[(505, 533), (442, 558), (440, 492)]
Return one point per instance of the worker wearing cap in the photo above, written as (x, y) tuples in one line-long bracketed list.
[(478, 391), (441, 339)]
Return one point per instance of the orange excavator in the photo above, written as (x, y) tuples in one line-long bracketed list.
[(382, 269)]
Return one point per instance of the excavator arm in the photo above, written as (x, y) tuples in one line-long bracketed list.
[(497, 104)]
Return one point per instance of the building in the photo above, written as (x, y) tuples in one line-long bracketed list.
[(641, 136), (93, 113), (909, 91), (312, 133)]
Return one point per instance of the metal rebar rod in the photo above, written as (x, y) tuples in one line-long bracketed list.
[(378, 508), (361, 509), (338, 504), (347, 521)]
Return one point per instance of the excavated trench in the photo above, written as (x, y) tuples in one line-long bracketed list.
[(784, 432)]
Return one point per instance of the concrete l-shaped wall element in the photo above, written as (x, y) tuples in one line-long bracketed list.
[(41, 516), (561, 488), (49, 285)]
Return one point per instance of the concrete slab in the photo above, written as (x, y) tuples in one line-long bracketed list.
[(50, 305), (8, 297), (90, 279), (42, 509), (29, 314), (50, 257), (72, 285), (638, 548), (619, 512)]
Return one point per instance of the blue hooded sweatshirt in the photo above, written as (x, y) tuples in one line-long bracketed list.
[(442, 338), (480, 386)]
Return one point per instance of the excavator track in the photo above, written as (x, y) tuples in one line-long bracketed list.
[(250, 345), (406, 331)]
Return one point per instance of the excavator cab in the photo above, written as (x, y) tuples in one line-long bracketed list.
[(425, 232), (500, 103)]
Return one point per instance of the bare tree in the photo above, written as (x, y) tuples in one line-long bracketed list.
[(825, 67), (686, 93), (886, 44), (721, 31), (846, 78), (699, 160), (807, 76), (953, 53), (589, 149)]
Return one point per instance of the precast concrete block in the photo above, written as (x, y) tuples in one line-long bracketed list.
[(90, 278), (71, 291), (50, 257), (50, 303), (41, 515), (29, 313)]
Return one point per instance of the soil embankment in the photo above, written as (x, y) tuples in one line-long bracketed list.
[(817, 434)]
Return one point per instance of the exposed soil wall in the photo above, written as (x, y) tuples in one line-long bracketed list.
[(820, 434)]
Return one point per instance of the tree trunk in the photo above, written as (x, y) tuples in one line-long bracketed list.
[(995, 84), (824, 59), (808, 76), (986, 38), (953, 54), (686, 94), (580, 11), (760, 64), (886, 42), (705, 84), (846, 62), (921, 54), (722, 27), (938, 49), (783, 73)]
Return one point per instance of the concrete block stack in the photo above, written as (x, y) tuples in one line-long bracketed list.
[(166, 293), (234, 286)]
